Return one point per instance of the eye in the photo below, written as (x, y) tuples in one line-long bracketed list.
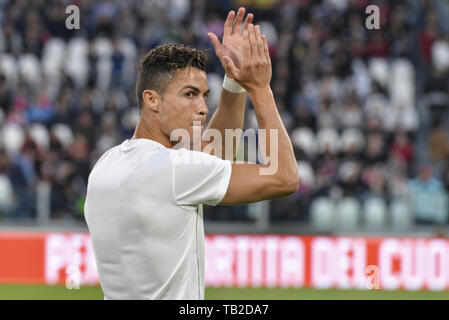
[(205, 95), (190, 94)]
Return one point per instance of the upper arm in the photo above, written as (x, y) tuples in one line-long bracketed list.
[(247, 185)]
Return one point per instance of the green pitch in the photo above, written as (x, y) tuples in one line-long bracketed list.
[(42, 292)]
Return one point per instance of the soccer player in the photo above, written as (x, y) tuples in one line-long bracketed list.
[(144, 198)]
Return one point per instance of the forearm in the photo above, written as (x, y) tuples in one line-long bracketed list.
[(230, 114), (268, 118)]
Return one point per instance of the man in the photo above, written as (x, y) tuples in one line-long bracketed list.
[(144, 198)]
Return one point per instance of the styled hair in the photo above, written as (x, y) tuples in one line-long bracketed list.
[(158, 67)]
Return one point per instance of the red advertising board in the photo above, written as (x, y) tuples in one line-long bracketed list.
[(251, 261)]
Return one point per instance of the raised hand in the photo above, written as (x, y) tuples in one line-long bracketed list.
[(232, 45), (254, 71)]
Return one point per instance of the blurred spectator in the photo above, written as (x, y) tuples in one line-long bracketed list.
[(438, 144), (427, 198), (401, 148)]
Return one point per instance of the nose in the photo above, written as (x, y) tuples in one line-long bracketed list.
[(203, 110)]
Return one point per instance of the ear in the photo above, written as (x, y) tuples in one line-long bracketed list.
[(151, 99)]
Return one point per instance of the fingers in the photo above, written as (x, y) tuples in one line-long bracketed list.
[(248, 20), (215, 42), (238, 19), (252, 41), (246, 46), (265, 48), (228, 23), (259, 42)]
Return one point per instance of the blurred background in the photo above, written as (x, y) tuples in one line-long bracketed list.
[(367, 110)]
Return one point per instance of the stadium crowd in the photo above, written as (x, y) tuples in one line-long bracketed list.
[(367, 109)]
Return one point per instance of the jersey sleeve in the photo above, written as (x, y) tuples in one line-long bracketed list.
[(199, 178)]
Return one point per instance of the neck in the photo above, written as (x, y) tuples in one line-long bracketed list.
[(145, 131)]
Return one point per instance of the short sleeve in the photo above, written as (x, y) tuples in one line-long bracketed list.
[(199, 178)]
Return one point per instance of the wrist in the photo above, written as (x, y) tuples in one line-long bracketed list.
[(258, 91), (232, 86)]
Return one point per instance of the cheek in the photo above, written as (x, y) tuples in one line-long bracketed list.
[(175, 115)]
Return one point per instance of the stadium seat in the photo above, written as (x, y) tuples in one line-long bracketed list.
[(63, 133), (304, 138), (400, 214), (440, 55), (361, 77), (267, 28), (130, 118), (129, 50), (348, 213), (375, 105), (380, 71), (52, 57), (215, 82), (327, 138), (306, 173), (2, 117), (322, 213), (375, 212), (76, 64), (40, 135), (9, 67), (30, 69), (13, 138), (104, 49), (402, 83), (352, 137), (6, 195)]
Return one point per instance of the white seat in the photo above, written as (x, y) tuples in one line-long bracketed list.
[(402, 83), (13, 138), (104, 49), (40, 135), (63, 133), (30, 69), (268, 29), (76, 64), (322, 213), (375, 212), (6, 194), (53, 56), (9, 67), (304, 138), (328, 138), (440, 55), (400, 214), (130, 118), (348, 213), (215, 82), (352, 137), (379, 70), (129, 50), (306, 173)]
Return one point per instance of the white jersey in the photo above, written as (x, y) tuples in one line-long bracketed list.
[(144, 213)]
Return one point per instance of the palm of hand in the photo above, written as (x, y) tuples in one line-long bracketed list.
[(232, 47)]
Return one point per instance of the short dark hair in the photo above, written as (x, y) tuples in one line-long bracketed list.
[(159, 65)]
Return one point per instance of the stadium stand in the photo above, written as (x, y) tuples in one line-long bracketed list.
[(366, 109)]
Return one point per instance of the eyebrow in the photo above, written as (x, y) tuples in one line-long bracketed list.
[(194, 89)]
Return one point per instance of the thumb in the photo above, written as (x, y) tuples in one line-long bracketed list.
[(215, 42), (231, 68)]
